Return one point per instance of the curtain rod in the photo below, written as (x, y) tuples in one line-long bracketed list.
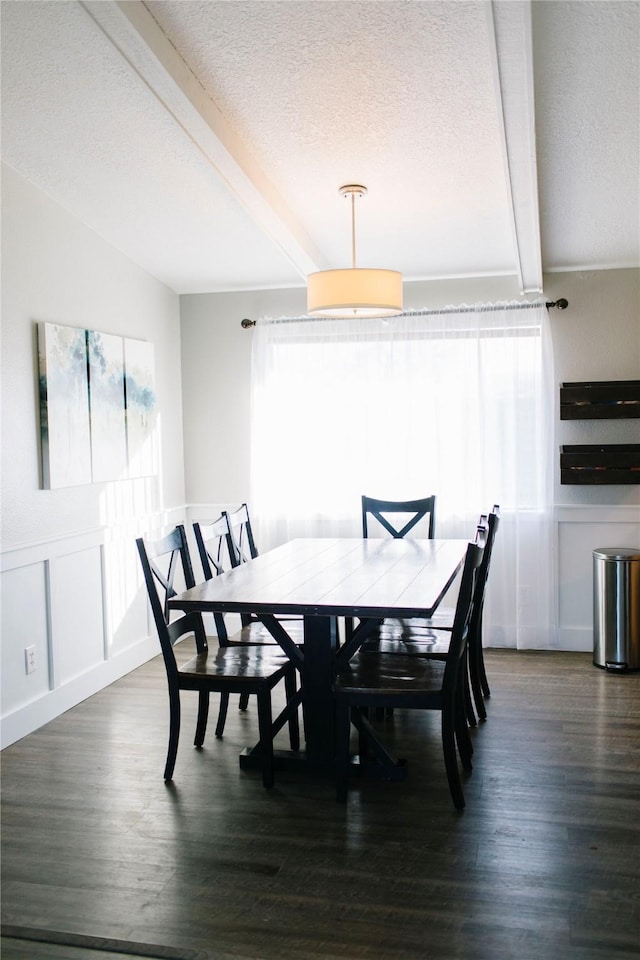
[(561, 304)]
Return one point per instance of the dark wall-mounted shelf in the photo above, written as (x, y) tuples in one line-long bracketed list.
[(592, 463), (600, 400)]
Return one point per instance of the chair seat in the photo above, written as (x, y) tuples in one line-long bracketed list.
[(429, 643), (401, 628), (244, 664), (256, 634), (390, 675)]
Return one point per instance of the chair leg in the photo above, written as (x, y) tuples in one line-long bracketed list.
[(468, 702), (450, 757), (203, 714), (174, 732), (222, 714), (483, 676), (363, 740), (294, 723), (343, 731), (484, 683), (266, 737), (244, 701), (476, 680), (465, 746)]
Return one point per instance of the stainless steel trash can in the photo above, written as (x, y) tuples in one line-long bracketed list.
[(616, 608)]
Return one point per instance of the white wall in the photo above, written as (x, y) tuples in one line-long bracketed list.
[(70, 579), (597, 337)]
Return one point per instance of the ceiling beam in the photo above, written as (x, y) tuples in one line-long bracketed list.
[(510, 37), (141, 42)]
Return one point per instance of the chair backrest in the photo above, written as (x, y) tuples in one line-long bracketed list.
[(464, 605), (161, 559), (242, 546), (212, 539), (492, 524), (416, 509)]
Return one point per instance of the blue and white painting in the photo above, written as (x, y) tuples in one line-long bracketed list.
[(105, 354), (98, 416), (140, 400), (64, 406)]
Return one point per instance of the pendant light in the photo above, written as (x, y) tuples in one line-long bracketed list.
[(358, 292)]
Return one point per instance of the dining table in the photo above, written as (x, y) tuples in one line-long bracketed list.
[(335, 585)]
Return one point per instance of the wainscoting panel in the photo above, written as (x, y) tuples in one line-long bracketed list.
[(77, 615), (581, 530), (126, 610), (80, 600), (24, 624)]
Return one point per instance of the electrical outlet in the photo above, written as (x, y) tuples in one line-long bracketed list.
[(30, 659)]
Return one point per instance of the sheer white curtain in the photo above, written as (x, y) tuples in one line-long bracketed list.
[(457, 403)]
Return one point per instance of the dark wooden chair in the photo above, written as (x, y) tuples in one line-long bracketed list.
[(241, 542), (227, 670), (409, 514), (415, 510), (212, 540), (431, 638), (214, 547), (377, 680), (242, 548)]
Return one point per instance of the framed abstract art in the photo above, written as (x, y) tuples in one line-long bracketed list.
[(98, 411)]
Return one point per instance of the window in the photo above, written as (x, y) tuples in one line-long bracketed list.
[(452, 403)]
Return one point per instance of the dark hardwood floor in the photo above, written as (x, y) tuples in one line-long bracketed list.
[(102, 860)]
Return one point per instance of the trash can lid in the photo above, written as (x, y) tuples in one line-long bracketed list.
[(617, 553)]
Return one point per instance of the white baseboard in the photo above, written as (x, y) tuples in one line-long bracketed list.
[(30, 717), (575, 638)]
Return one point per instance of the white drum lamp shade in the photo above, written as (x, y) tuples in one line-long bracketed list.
[(358, 292)]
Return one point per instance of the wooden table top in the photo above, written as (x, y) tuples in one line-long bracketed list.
[(335, 577)]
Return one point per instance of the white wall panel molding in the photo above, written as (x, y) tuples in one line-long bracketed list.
[(79, 599), (27, 718), (40, 550), (76, 608), (209, 511), (621, 513), (580, 529)]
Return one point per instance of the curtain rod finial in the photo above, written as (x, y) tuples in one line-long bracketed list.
[(561, 304), (246, 323)]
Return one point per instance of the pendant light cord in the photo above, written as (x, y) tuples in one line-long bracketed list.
[(353, 231)]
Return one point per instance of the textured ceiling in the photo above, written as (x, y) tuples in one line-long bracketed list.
[(207, 140)]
